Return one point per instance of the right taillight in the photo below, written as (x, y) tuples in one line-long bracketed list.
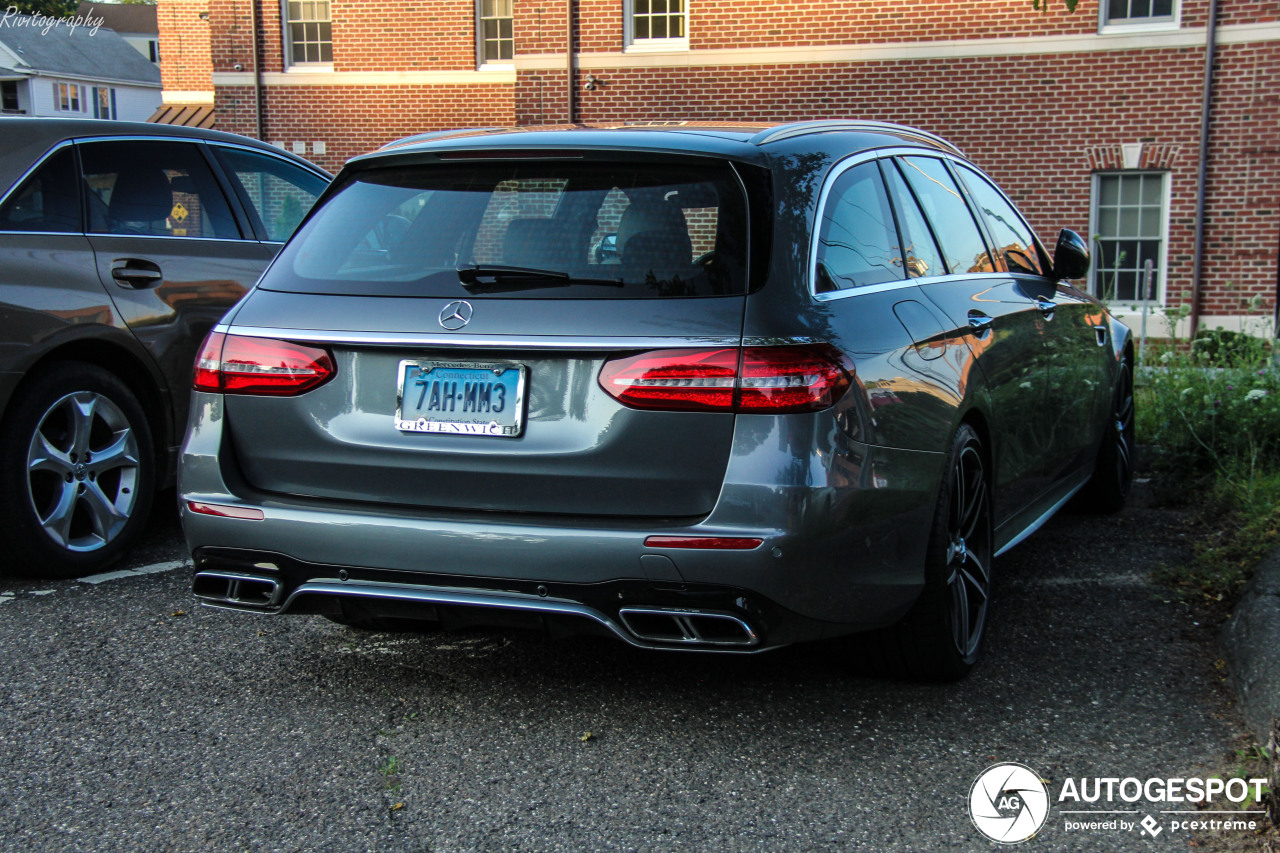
[(236, 364), (773, 379)]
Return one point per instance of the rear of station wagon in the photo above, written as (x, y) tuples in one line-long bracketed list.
[(720, 388)]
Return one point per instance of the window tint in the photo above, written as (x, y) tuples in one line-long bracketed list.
[(277, 192), (920, 253), (857, 240), (46, 201), (961, 242), (1014, 239), (157, 189), (603, 230)]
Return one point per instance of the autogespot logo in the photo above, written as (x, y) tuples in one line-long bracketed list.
[(1008, 803)]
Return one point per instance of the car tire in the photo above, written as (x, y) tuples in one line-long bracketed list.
[(940, 638), (1108, 488), (77, 471)]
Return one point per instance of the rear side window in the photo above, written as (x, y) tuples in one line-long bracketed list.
[(961, 242), (857, 239), (154, 189), (920, 253), (1015, 241), (47, 201), (277, 192), (539, 230)]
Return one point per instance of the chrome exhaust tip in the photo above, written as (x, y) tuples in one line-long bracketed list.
[(237, 590), (690, 628)]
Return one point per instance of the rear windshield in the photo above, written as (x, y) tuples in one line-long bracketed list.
[(563, 229)]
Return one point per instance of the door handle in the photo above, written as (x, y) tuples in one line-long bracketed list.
[(980, 322), (135, 273), (1047, 307)]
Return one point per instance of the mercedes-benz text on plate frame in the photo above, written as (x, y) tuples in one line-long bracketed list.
[(461, 397), (455, 315)]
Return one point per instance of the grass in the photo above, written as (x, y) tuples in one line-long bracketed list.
[(1210, 415)]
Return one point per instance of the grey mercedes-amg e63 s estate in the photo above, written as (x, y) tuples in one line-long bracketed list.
[(698, 387)]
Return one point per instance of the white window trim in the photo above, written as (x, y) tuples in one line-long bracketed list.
[(667, 45), (497, 64), (1138, 25), (287, 46), (1132, 307)]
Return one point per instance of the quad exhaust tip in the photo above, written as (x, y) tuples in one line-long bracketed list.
[(687, 627), (237, 589)]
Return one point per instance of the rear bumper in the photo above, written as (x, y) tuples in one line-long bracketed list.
[(841, 551)]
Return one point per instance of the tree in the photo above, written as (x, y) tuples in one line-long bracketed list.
[(52, 8)]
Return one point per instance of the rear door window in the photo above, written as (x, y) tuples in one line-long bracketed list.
[(539, 230), (920, 253), (962, 244), (857, 240), (276, 193), (154, 189), (1015, 241), (47, 201)]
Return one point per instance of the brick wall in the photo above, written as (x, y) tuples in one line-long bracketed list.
[(1042, 125), (185, 63)]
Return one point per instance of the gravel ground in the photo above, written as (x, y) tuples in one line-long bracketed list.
[(131, 719)]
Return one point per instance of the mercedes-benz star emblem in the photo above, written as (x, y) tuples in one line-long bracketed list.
[(455, 315)]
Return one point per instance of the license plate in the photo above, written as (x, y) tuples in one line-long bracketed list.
[(461, 398)]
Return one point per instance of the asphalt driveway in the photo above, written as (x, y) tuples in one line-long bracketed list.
[(131, 719)]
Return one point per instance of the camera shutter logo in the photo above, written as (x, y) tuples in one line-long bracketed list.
[(1008, 803)]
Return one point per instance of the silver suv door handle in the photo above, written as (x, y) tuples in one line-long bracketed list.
[(980, 322), (131, 272), (1046, 306)]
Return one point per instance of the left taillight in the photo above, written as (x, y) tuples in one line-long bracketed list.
[(235, 364)]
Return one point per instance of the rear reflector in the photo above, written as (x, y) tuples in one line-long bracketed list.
[(711, 543), (234, 364), (225, 511), (805, 378)]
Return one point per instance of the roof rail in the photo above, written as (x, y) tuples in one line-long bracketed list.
[(435, 134), (803, 128)]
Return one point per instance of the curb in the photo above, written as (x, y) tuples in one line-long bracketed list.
[(1251, 640)]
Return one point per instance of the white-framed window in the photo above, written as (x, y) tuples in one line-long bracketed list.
[(1138, 15), (308, 33), (104, 102), (1130, 225), (67, 97), (656, 24), (495, 40)]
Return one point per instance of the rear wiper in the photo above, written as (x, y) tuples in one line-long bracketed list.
[(498, 278)]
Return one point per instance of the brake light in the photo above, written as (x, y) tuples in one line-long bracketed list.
[(235, 364), (805, 378), (711, 543)]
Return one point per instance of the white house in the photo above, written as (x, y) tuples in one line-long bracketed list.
[(49, 69)]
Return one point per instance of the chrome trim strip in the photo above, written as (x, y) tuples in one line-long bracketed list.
[(240, 242), (430, 339), (1039, 522), (504, 601)]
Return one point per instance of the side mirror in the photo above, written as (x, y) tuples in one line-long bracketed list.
[(1071, 257)]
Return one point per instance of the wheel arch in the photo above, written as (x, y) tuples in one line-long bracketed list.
[(146, 384)]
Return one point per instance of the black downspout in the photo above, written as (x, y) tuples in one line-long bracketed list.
[(257, 70), (1197, 271), (569, 27)]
